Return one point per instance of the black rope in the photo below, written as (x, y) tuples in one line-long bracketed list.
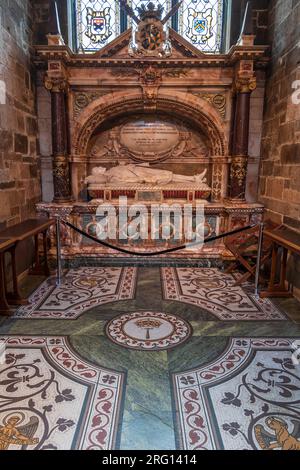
[(154, 253)]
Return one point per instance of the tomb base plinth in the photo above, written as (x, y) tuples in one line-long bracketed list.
[(219, 218)]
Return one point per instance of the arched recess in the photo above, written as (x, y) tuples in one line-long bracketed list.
[(190, 108), (183, 105)]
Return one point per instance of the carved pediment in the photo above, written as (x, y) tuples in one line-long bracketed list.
[(118, 49), (183, 48)]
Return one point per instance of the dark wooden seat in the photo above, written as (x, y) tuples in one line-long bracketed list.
[(244, 248), (284, 241), (5, 245), (10, 238)]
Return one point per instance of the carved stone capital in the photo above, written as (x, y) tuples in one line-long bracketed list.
[(245, 84), (56, 84)]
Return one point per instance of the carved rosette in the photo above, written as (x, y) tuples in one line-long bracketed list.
[(83, 99), (218, 101)]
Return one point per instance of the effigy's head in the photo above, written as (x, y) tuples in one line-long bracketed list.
[(98, 170)]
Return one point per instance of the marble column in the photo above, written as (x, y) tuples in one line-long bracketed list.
[(61, 168), (239, 162)]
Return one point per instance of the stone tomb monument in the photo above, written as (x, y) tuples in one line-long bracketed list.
[(144, 183)]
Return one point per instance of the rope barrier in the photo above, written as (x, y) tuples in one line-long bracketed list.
[(161, 252)]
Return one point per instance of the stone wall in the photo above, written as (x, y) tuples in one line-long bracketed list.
[(280, 169), (41, 19), (19, 162), (260, 20)]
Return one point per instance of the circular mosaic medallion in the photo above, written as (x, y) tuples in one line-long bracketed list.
[(150, 331)]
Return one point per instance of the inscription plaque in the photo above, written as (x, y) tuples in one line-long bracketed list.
[(149, 135)]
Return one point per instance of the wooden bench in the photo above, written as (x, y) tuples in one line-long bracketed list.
[(289, 242), (244, 247), (10, 238), (5, 245)]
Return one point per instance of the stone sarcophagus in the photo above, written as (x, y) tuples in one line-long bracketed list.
[(142, 183)]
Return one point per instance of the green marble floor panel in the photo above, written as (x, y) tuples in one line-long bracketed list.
[(251, 328), (148, 407)]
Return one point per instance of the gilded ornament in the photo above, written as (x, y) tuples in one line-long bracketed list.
[(55, 84), (245, 84)]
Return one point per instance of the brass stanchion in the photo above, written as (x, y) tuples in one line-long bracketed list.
[(58, 253), (259, 251)]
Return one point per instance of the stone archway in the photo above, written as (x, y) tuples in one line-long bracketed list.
[(189, 107), (186, 106)]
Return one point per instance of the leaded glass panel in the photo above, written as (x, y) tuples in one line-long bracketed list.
[(98, 23), (101, 21), (200, 22)]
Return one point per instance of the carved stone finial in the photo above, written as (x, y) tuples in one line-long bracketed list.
[(247, 37), (54, 35), (150, 11)]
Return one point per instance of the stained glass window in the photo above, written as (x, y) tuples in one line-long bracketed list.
[(200, 22), (98, 23)]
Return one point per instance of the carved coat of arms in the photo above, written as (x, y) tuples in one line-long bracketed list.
[(150, 39), (98, 25), (150, 36), (199, 25)]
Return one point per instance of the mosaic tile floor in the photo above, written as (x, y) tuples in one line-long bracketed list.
[(216, 292), (146, 372), (51, 399), (80, 290), (247, 399)]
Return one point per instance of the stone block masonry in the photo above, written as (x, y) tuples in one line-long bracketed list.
[(19, 160), (279, 185)]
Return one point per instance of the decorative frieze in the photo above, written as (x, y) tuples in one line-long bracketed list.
[(172, 72)]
